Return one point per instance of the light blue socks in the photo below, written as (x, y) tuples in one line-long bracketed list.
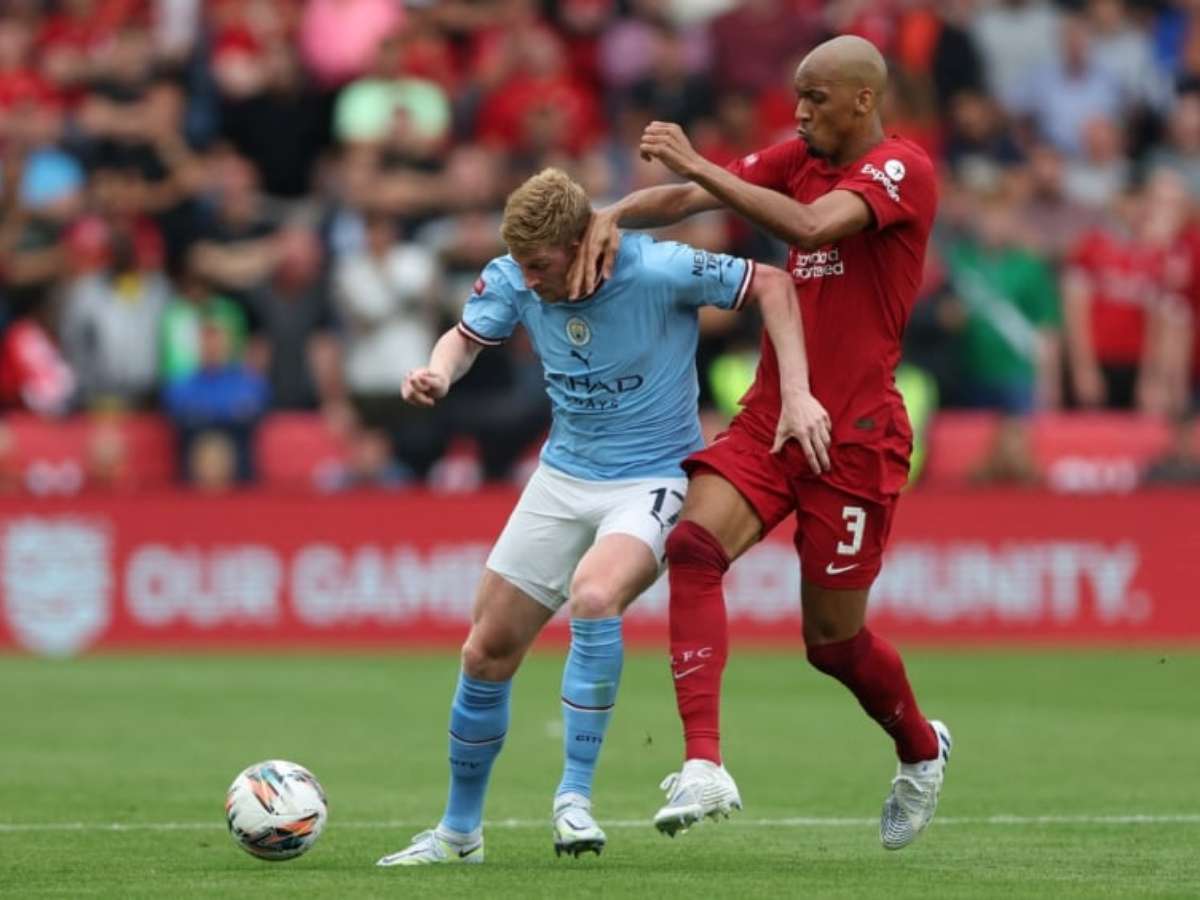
[(589, 690), (478, 723)]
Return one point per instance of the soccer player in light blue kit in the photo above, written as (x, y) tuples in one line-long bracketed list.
[(590, 527)]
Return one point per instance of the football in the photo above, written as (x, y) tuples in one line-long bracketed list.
[(276, 809)]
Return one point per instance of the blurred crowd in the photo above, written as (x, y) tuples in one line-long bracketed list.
[(221, 209)]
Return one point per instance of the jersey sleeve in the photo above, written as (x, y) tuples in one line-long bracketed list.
[(770, 168), (698, 278), (490, 314), (897, 184)]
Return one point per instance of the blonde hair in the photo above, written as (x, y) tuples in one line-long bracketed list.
[(548, 210)]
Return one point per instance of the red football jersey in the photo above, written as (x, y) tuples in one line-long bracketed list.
[(855, 299), (1124, 278)]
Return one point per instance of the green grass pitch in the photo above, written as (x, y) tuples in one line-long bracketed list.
[(1070, 744)]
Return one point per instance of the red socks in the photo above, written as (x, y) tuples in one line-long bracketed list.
[(868, 665), (871, 668), (699, 636)]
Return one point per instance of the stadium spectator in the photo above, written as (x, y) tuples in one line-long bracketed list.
[(1015, 37), (1122, 46), (339, 38), (292, 318), (222, 396), (212, 462), (33, 374), (980, 148), (1010, 313), (669, 90), (195, 304), (386, 297), (755, 42), (1067, 89), (110, 325), (1006, 320), (282, 127), (1102, 171), (1181, 149), (236, 249), (1051, 221), (1112, 282)]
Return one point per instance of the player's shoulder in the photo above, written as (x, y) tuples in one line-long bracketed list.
[(643, 257), (791, 153), (641, 253), (899, 158), (501, 277)]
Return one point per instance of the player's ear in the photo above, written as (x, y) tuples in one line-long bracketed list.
[(864, 101)]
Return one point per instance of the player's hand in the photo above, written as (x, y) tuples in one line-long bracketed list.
[(803, 419), (666, 142), (596, 256), (424, 387)]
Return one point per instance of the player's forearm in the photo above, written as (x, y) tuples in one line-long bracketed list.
[(776, 297), (662, 205), (453, 355), (793, 223)]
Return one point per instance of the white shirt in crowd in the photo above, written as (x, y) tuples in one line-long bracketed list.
[(387, 306)]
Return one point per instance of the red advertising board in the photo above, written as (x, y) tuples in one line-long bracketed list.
[(265, 570)]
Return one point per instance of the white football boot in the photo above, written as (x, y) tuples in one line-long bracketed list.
[(702, 789), (914, 797), (575, 831), (434, 846)]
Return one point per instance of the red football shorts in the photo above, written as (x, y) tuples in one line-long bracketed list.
[(840, 536)]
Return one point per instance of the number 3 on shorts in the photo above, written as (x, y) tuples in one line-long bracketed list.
[(855, 518)]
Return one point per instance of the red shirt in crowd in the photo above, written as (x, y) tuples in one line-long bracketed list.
[(1123, 277)]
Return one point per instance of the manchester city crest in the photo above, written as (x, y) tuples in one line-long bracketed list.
[(578, 331)]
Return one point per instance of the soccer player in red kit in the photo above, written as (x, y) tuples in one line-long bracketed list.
[(855, 207)]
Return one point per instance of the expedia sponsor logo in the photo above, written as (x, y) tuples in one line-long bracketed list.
[(889, 184), (817, 264)]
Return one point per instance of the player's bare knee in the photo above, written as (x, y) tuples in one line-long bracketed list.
[(592, 600), (489, 660)]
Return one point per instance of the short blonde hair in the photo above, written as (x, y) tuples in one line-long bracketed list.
[(548, 210)]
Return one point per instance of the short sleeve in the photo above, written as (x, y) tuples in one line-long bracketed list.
[(490, 314), (698, 277), (896, 183), (770, 168)]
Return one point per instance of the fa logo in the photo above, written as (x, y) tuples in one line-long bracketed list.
[(578, 332)]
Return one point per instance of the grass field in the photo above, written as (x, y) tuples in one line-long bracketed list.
[(113, 772)]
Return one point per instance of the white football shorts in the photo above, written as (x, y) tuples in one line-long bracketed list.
[(558, 518)]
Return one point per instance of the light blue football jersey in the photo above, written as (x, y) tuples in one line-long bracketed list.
[(619, 365)]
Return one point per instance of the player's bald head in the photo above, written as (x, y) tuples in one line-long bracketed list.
[(839, 86), (848, 60)]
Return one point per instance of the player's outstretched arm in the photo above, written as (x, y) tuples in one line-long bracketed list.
[(452, 357), (651, 207), (801, 416), (808, 226)]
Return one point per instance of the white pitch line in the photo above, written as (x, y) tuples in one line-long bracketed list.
[(787, 822)]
